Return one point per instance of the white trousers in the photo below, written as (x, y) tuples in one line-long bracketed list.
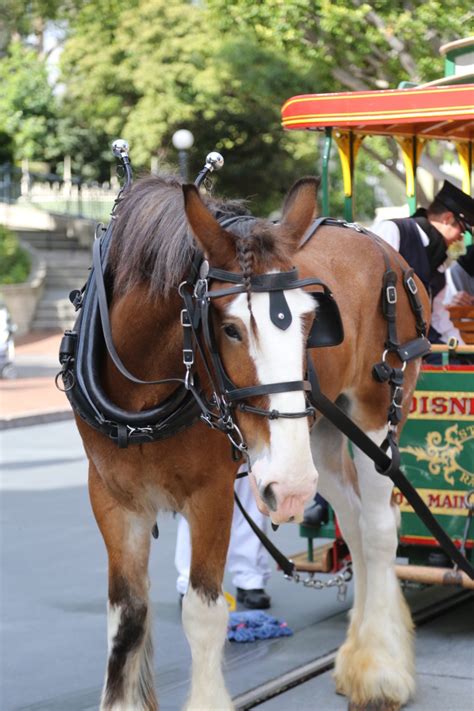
[(247, 559)]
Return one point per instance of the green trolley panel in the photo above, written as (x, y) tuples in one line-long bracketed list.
[(437, 447)]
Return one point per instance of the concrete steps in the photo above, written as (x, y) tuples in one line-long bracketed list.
[(68, 270), (48, 240), (54, 311), (65, 270)]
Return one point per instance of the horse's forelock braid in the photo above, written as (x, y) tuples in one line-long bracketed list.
[(245, 256)]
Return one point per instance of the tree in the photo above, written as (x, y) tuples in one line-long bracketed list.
[(352, 45), (20, 19), (157, 71), (27, 103)]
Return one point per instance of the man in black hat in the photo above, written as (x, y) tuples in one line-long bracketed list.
[(424, 238)]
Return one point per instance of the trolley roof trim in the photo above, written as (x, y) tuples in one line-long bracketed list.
[(435, 112)]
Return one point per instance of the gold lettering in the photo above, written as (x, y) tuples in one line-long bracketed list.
[(459, 404), (446, 405)]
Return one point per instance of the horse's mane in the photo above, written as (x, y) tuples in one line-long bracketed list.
[(152, 241)]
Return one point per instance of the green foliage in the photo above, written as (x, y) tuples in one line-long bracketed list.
[(158, 71), (27, 104), (350, 43), (15, 262)]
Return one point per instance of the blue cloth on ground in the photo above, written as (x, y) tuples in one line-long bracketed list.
[(253, 625)]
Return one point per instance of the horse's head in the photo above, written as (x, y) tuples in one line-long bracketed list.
[(260, 331)]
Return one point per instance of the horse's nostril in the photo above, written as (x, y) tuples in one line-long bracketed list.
[(268, 497)]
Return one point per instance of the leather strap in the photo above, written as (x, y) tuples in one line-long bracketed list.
[(105, 321), (270, 388), (282, 561)]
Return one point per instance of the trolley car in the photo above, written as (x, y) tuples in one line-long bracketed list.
[(437, 443)]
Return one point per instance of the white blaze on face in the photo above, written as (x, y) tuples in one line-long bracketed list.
[(278, 356)]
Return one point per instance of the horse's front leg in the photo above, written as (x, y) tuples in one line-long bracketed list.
[(205, 612), (129, 676), (337, 482), (383, 665)]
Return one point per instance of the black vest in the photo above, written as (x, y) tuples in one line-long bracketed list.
[(413, 250)]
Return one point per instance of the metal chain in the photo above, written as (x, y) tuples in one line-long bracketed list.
[(340, 580)]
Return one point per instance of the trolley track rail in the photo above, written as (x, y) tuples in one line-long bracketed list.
[(321, 665)]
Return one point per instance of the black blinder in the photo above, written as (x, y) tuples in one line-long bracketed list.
[(280, 313), (327, 329)]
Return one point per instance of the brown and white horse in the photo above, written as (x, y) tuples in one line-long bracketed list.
[(193, 472)]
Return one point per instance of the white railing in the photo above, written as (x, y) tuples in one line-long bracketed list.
[(56, 194)]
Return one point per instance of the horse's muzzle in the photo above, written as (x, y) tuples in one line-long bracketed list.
[(281, 501)]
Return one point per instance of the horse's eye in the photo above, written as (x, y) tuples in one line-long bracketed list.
[(232, 331)]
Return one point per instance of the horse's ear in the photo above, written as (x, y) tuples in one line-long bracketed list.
[(216, 243), (300, 206)]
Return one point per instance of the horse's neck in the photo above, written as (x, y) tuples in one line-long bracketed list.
[(147, 336)]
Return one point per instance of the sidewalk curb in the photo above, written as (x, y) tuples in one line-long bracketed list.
[(39, 418)]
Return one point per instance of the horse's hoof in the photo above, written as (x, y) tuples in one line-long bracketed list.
[(375, 706)]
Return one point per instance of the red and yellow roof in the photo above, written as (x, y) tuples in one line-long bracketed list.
[(436, 112)]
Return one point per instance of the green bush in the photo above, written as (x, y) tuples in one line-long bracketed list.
[(15, 262)]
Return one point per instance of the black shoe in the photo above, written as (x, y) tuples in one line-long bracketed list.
[(315, 515), (256, 599)]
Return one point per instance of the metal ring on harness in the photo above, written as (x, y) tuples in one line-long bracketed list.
[(384, 359), (68, 380)]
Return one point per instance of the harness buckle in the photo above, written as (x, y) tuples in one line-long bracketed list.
[(354, 226), (201, 289), (391, 294), (184, 318), (411, 284), (188, 357)]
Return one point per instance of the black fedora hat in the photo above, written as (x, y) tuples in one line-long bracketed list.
[(457, 202)]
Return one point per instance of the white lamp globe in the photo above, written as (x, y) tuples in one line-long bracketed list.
[(182, 139)]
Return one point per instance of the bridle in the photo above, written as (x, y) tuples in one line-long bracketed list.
[(198, 334)]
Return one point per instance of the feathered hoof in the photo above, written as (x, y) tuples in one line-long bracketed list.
[(375, 706), (373, 682), (341, 668)]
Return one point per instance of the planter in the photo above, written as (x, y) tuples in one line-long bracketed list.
[(22, 299)]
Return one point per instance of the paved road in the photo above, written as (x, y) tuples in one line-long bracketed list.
[(53, 596)]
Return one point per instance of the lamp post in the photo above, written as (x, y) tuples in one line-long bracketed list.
[(182, 141)]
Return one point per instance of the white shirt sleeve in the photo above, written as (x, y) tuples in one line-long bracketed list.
[(389, 232), (440, 315)]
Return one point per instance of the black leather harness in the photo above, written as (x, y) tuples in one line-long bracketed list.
[(82, 351)]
